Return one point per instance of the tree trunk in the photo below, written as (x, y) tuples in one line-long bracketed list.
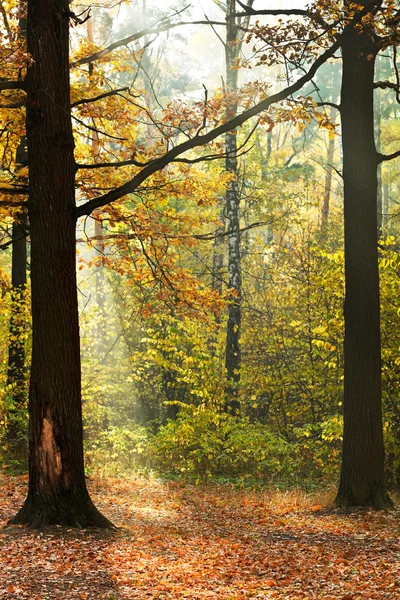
[(385, 209), (16, 372), (328, 180), (232, 356), (379, 198), (57, 489), (362, 481)]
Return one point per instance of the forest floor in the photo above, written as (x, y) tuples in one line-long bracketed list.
[(180, 541)]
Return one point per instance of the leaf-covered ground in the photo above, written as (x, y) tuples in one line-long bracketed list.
[(179, 541)]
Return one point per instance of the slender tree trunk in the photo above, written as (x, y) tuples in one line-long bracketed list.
[(98, 224), (328, 180), (264, 158), (233, 355), (218, 259), (378, 121), (385, 209), (16, 372), (57, 489), (379, 197), (362, 481)]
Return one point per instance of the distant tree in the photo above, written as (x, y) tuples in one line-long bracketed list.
[(233, 45)]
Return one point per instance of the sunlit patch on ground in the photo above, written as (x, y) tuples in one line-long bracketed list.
[(179, 541)]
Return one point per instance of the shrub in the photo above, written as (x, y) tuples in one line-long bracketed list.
[(202, 443)]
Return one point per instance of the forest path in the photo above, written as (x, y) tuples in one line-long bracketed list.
[(181, 541)]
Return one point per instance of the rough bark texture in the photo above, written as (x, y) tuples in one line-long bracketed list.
[(362, 480), (57, 490)]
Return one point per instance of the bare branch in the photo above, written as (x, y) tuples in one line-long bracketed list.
[(100, 97), (97, 130), (189, 161), (386, 157), (115, 165), (221, 234), (19, 104), (15, 191), (296, 12), (202, 140), (132, 161), (136, 36), (12, 85), (332, 104), (215, 31), (204, 237), (383, 85), (289, 12)]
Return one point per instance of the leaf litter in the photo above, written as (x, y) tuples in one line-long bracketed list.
[(200, 542)]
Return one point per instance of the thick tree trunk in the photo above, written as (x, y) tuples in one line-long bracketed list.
[(233, 355), (362, 481), (57, 490)]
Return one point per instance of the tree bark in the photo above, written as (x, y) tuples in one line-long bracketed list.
[(232, 354), (328, 180), (362, 481), (57, 489)]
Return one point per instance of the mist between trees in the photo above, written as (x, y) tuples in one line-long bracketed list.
[(216, 189)]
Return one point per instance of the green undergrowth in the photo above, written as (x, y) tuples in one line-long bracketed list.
[(204, 445)]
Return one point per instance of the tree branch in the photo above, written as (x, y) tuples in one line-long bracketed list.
[(10, 242), (15, 191), (289, 12), (201, 140), (204, 237), (12, 85), (136, 36), (332, 104), (296, 12), (13, 104), (132, 161), (100, 97), (189, 161), (383, 85), (113, 137), (384, 157)]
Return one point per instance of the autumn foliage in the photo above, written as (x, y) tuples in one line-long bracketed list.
[(178, 541)]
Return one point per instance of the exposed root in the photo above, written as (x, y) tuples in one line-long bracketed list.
[(46, 511)]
